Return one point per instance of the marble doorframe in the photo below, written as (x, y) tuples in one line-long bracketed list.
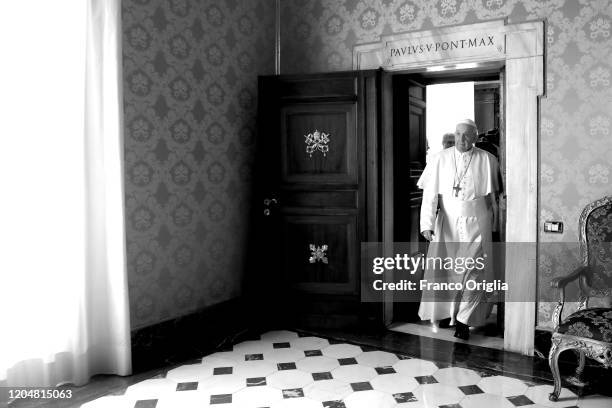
[(523, 58)]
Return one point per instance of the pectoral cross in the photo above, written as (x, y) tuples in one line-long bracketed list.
[(457, 189)]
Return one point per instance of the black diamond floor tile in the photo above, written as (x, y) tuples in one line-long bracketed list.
[(361, 386), (187, 386), (253, 357), (223, 370), (385, 370), (426, 379), (221, 399), (347, 361), (293, 393), (401, 397), (281, 345), (152, 403), (470, 389), (255, 381), (520, 400), (313, 353), (333, 404), (286, 366), (322, 376)]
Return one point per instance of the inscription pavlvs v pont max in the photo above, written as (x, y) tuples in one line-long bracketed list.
[(436, 46)]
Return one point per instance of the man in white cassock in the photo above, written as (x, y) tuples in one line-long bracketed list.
[(458, 212)]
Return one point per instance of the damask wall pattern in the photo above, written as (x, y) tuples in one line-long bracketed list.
[(575, 142), (190, 83)]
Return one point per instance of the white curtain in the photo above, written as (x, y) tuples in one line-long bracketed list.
[(63, 285)]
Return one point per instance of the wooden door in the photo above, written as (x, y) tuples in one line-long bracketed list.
[(311, 195), (405, 148)]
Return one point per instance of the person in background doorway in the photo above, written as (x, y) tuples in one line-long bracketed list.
[(448, 140)]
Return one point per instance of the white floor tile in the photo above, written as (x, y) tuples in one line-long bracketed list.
[(539, 395), (296, 403), (328, 390), (485, 401), (377, 359), (394, 383), (184, 399), (434, 395), (342, 351), (289, 379), (234, 356), (415, 367), (257, 396), (214, 360), (369, 399), (283, 355), (221, 384), (457, 376), (257, 368), (501, 385), (354, 373), (317, 364)]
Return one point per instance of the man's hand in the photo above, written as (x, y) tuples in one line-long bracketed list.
[(428, 234)]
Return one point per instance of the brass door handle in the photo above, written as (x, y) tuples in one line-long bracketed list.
[(267, 202)]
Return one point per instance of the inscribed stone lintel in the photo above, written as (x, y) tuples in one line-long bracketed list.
[(492, 41)]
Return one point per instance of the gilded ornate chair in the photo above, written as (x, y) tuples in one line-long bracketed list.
[(588, 331)]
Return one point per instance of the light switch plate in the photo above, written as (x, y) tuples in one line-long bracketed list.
[(553, 226)]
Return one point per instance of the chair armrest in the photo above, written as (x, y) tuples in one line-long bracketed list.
[(562, 281)]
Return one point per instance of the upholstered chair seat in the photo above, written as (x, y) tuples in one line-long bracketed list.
[(595, 324)]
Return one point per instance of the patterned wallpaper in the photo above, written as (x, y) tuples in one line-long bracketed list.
[(190, 82), (576, 148)]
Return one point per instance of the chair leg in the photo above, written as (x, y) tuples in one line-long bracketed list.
[(553, 362), (580, 368)]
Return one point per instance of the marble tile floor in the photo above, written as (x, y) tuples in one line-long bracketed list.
[(289, 369)]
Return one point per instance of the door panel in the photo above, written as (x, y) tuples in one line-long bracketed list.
[(416, 133), (319, 143), (320, 252), (319, 194)]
